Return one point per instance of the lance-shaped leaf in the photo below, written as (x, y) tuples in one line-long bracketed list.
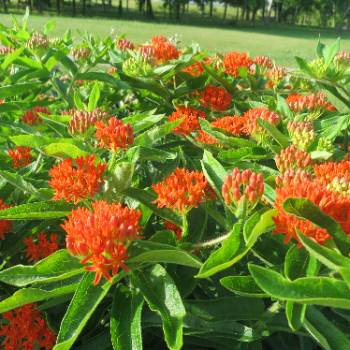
[(243, 285)]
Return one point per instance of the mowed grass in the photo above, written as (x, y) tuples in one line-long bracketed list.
[(282, 44)]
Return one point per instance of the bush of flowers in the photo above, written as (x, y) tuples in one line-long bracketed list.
[(157, 197)]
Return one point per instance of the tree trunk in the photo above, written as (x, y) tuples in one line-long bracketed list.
[(5, 5), (127, 6), (263, 10), (203, 7), (149, 9), (177, 10), (74, 8), (58, 6), (211, 8), (225, 11), (84, 7), (120, 7)]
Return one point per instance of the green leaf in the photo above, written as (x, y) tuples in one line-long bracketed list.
[(125, 325), (162, 296), (304, 66), (283, 108), (86, 299), (18, 89), (57, 266), (305, 209), (94, 97), (324, 291), (49, 26), (274, 133), (295, 315), (140, 153), (244, 153), (214, 172), (12, 57), (32, 295), (37, 210), (64, 150), (37, 140), (163, 253), (103, 77), (330, 52), (324, 331), (147, 199), (295, 263), (243, 285), (152, 135)]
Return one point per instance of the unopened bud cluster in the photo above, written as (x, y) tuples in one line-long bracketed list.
[(82, 120), (124, 44), (325, 144), (318, 67), (80, 54), (137, 66), (292, 176), (341, 185), (302, 134), (292, 158), (245, 185), (38, 41), (342, 58), (5, 50)]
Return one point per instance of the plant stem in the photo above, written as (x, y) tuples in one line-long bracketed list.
[(211, 242)]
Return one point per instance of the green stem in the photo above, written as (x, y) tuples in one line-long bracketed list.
[(346, 140), (211, 242), (185, 226)]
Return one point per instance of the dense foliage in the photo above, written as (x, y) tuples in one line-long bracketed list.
[(157, 197)]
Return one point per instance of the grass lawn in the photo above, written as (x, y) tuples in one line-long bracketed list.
[(282, 44)]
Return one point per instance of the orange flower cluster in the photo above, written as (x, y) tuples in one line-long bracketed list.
[(83, 120), (233, 61), (5, 225), (42, 248), (275, 75), (195, 69), (331, 203), (20, 156), (100, 236), (115, 134), (292, 158), (190, 122), (160, 49), (251, 119), (181, 191), (293, 175), (124, 44), (342, 57), (317, 101), (26, 329), (328, 171), (215, 98), (263, 61), (172, 227), (233, 125), (243, 185), (32, 116), (80, 53), (75, 180)]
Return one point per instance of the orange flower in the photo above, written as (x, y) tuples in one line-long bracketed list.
[(172, 227), (5, 225), (100, 236), (20, 156), (161, 49), (292, 158), (251, 119), (115, 134), (331, 203), (195, 69), (42, 248), (263, 61), (82, 120), (233, 125), (243, 185), (75, 180), (327, 172), (32, 116), (124, 44), (190, 122), (233, 61), (215, 98), (26, 328), (181, 191), (317, 101)]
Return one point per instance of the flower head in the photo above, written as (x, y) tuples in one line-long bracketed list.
[(234, 61), (328, 171), (181, 191), (5, 225), (215, 98), (263, 61), (246, 185), (312, 102), (251, 119), (342, 58), (20, 156), (82, 120), (195, 69), (302, 134), (5, 50), (292, 158), (32, 116), (115, 134), (100, 236), (160, 49), (26, 328), (42, 247), (78, 179), (124, 44), (190, 122), (81, 53), (331, 203), (38, 41), (275, 76)]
